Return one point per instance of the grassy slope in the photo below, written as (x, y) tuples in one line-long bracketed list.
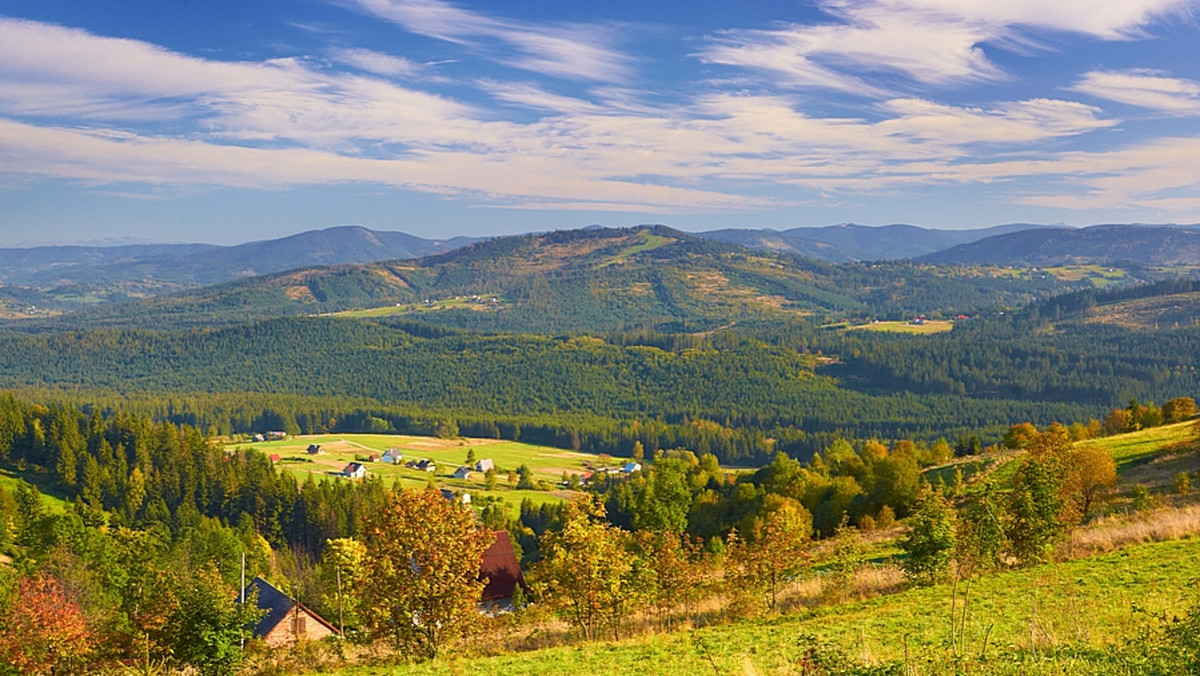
[(1135, 448), (50, 500), (1084, 602), (545, 462)]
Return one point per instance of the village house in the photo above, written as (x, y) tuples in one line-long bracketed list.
[(392, 456), (373, 457), (275, 458), (484, 465), (463, 472), (286, 621), (314, 449), (355, 470), (631, 467), (454, 496)]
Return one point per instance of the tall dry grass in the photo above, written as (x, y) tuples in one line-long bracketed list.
[(1108, 533)]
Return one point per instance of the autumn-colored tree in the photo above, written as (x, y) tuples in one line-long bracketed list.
[(1178, 409), (773, 550), (420, 571), (43, 630), (585, 572), (930, 539), (1091, 471), (1118, 421), (1020, 436), (671, 570)]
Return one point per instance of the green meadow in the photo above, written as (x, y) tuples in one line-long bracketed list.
[(930, 326), (1050, 619), (337, 450)]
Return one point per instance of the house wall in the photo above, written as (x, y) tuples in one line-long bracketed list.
[(284, 634)]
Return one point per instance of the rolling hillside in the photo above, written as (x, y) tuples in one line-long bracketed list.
[(590, 280), (851, 242), (1163, 245)]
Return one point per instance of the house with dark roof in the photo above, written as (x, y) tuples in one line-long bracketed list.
[(501, 574), (354, 470), (286, 621)]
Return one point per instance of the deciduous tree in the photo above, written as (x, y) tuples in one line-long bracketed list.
[(420, 571), (930, 540), (43, 629), (585, 571)]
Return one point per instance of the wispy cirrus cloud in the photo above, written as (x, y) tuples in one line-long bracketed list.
[(1144, 88), (375, 62), (930, 42), (572, 51), (72, 106)]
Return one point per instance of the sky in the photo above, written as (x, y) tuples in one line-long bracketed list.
[(225, 122)]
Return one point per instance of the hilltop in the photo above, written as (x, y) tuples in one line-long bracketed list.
[(592, 280), (851, 242), (1162, 245)]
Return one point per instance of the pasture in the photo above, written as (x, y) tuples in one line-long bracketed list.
[(929, 326), (546, 464)]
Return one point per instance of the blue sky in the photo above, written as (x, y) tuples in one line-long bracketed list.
[(230, 121)]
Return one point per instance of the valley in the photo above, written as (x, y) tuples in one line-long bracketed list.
[(747, 459)]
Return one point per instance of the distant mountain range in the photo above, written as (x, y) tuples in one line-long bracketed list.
[(851, 242), (591, 280), (152, 268), (52, 279), (1161, 245)]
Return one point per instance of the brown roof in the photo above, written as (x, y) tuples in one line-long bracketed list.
[(278, 606), (500, 569)]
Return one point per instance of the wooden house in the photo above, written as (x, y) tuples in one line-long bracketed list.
[(286, 621)]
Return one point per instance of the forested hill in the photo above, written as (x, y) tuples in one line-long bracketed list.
[(591, 280), (851, 242), (1145, 244)]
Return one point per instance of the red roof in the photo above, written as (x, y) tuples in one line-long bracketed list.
[(500, 569)]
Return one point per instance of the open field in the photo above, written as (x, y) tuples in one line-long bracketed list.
[(52, 503), (927, 327), (651, 242), (1019, 618), (479, 303), (1135, 448), (1099, 275), (337, 450)]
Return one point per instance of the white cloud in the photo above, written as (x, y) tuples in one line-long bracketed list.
[(1143, 88), (936, 42), (72, 106), (376, 62), (578, 52)]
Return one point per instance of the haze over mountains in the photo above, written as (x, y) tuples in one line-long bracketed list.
[(62, 278), (188, 265)]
